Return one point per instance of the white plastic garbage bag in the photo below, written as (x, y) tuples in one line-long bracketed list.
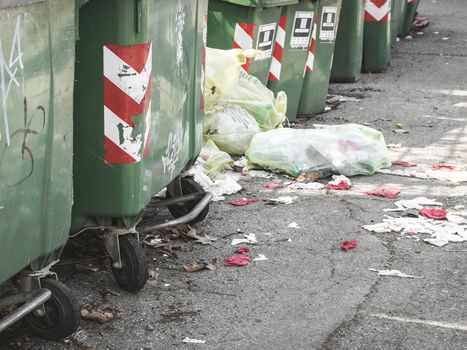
[(251, 94), (222, 72), (230, 127), (215, 160), (348, 149)]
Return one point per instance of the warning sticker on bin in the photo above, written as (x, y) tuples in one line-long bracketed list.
[(265, 41), (328, 23), (301, 33)]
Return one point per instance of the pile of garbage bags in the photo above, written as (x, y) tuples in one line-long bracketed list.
[(243, 117)]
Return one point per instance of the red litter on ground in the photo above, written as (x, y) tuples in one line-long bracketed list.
[(242, 250), (347, 245), (237, 260), (342, 185), (433, 213), (403, 164), (444, 167), (385, 192), (271, 185), (243, 202)]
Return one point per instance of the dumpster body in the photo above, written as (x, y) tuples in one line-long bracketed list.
[(138, 113), (348, 53), (318, 67), (246, 24), (398, 8), (377, 36), (36, 130), (409, 17), (291, 52)]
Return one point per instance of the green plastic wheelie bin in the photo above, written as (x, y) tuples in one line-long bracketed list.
[(398, 8), (36, 130), (348, 53), (377, 36), (291, 52), (409, 17), (318, 67), (138, 120), (246, 24)]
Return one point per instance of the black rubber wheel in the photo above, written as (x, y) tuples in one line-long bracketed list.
[(184, 186), (133, 275), (62, 315)]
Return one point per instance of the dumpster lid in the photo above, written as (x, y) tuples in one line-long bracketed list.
[(263, 3)]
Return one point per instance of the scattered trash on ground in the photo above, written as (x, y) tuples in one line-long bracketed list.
[(394, 273), (193, 234), (400, 131), (348, 149), (193, 341), (450, 176), (307, 186), (271, 186), (152, 241), (385, 192), (237, 260), (200, 265), (242, 250), (433, 213), (293, 225), (96, 314), (249, 238), (281, 200), (339, 182), (243, 202), (403, 164), (261, 174), (444, 167), (260, 257), (350, 244)]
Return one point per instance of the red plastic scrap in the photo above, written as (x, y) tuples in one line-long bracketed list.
[(271, 185), (433, 213), (342, 185), (444, 167), (347, 245), (243, 202), (385, 192), (242, 250), (237, 260), (403, 164)]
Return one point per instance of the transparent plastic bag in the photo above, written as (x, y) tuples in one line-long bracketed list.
[(348, 149), (230, 127), (251, 94), (215, 160)]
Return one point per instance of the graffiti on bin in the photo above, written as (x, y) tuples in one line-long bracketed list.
[(172, 152), (11, 75)]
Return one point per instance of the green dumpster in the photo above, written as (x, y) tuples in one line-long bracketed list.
[(36, 87), (246, 24), (348, 53), (138, 114), (397, 14), (377, 36), (291, 52), (409, 16), (319, 62)]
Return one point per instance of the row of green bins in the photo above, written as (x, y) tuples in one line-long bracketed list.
[(36, 87), (138, 114), (246, 24), (377, 36), (291, 51), (398, 9), (319, 62), (348, 53), (409, 17)]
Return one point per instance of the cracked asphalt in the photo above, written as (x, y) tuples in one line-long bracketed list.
[(309, 294)]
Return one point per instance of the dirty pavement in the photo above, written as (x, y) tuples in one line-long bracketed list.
[(285, 265)]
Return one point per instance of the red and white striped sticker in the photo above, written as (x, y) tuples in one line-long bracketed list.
[(311, 54), (243, 39), (377, 10), (127, 102), (276, 62)]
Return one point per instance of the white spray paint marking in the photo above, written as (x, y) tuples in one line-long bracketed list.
[(172, 153), (456, 326), (9, 72), (179, 26)]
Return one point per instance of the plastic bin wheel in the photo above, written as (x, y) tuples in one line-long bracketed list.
[(62, 315), (185, 186), (133, 275)]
